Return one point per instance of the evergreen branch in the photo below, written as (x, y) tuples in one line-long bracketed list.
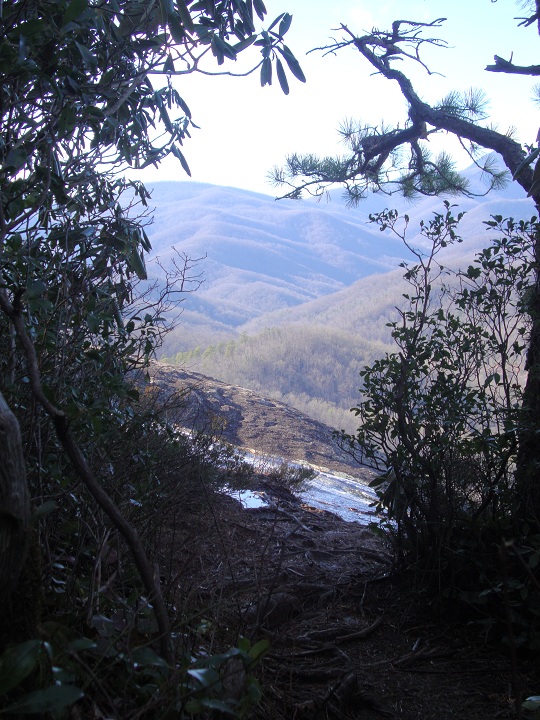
[(506, 66), (371, 152)]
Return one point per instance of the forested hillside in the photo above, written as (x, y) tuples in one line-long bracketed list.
[(293, 299), (251, 255), (310, 357), (310, 368)]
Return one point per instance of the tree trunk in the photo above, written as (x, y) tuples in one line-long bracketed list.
[(14, 503), (528, 460)]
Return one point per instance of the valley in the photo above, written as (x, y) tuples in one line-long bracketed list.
[(292, 299)]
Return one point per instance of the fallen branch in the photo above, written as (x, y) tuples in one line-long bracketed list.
[(289, 515), (334, 633), (418, 654), (360, 634)]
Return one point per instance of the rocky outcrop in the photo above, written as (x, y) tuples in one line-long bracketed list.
[(250, 421)]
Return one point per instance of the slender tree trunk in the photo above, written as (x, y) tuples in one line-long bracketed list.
[(528, 460), (14, 503)]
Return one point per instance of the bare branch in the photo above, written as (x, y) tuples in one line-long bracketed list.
[(506, 66)]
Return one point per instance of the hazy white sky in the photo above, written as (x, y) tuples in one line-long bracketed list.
[(246, 129)]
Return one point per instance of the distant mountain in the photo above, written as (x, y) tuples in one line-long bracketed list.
[(258, 255), (297, 296), (261, 255)]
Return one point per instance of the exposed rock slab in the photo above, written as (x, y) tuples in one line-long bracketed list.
[(250, 421)]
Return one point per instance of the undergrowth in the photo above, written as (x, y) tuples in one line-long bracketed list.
[(92, 638)]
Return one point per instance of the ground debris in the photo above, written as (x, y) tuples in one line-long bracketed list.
[(347, 639)]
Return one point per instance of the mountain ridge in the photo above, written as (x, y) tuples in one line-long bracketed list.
[(321, 274), (259, 255), (282, 254)]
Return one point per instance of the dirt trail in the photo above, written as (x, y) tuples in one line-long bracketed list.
[(346, 639)]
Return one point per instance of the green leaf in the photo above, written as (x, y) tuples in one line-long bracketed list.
[(220, 705), (285, 24), (266, 72), (193, 707), (246, 11), (216, 49), (292, 62), (259, 8), (93, 323), (185, 16), (146, 657), (16, 158), (531, 703), (81, 644), (145, 241), (282, 77), (35, 289), (244, 645), (49, 700), (177, 31), (528, 160), (273, 25), (163, 112), (74, 10), (243, 44), (136, 263), (206, 676), (223, 48), (88, 58), (259, 649), (17, 663), (103, 625), (378, 481), (44, 509), (178, 154), (254, 691), (168, 65), (184, 107)]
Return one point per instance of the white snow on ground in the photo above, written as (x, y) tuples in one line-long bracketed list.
[(338, 493)]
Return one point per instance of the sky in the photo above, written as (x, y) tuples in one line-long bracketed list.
[(245, 130)]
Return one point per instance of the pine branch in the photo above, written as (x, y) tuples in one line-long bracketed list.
[(371, 152), (506, 66)]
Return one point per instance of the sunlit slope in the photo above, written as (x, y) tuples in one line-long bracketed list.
[(297, 297), (258, 255)]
